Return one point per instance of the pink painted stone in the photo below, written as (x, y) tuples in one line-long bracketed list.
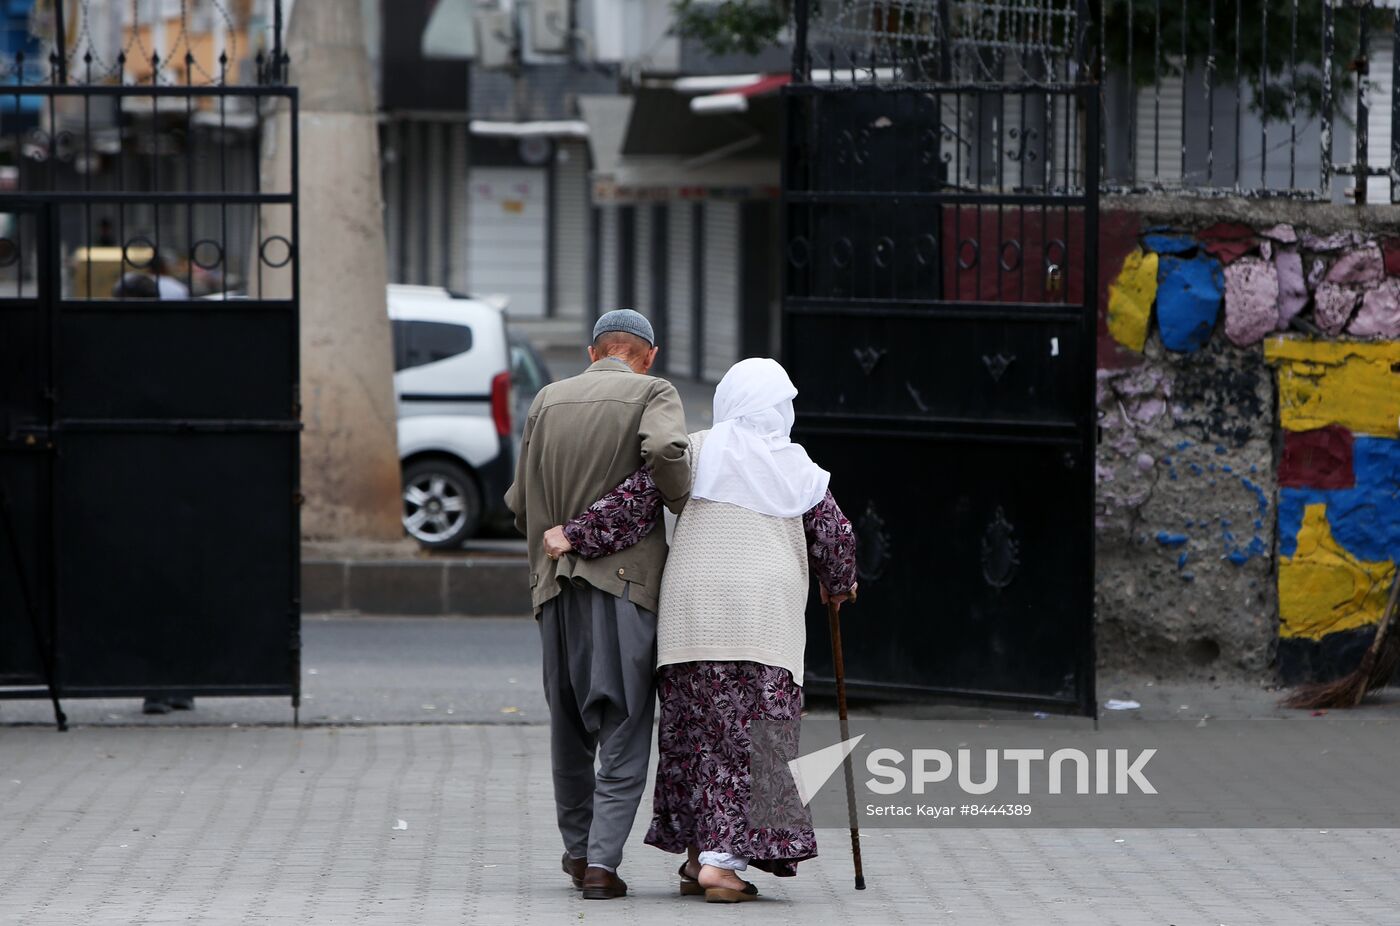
[(1359, 266), (1334, 307), (1251, 300), (1145, 462), (1333, 242), (1292, 290), (1283, 234), (1149, 410), (1380, 312)]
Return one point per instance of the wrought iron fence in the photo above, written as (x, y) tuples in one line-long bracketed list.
[(150, 154), (1260, 98), (1250, 97)]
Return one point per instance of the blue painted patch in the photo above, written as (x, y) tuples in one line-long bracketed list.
[(1238, 557), (1188, 577), (1190, 522), (1227, 536), (1172, 475), (1224, 522), (1183, 445), (1167, 460), (1220, 450), (1196, 469), (1365, 519), (1181, 560), (1260, 498), (1171, 540), (1169, 244), (1253, 469), (1188, 301), (1258, 524), (1225, 468)]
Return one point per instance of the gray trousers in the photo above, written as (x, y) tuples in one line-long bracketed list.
[(599, 680)]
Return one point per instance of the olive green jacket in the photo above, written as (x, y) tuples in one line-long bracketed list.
[(583, 436)]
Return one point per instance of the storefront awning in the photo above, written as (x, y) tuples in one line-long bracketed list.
[(564, 128), (736, 99)]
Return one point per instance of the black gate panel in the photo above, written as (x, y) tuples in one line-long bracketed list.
[(173, 566), (940, 328), (149, 407), (25, 476)]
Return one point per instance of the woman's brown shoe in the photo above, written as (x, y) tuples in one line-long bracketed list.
[(730, 895), (689, 886)]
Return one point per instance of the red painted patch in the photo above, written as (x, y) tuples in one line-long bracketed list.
[(1320, 459), (1227, 241), (1227, 252), (1390, 248), (1225, 231)]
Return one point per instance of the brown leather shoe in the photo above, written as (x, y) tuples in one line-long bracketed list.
[(574, 868), (601, 884)]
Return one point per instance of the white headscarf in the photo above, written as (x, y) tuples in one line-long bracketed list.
[(748, 459)]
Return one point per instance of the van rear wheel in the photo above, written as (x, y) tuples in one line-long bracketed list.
[(441, 503)]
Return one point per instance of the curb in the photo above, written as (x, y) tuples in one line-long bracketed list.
[(475, 587)]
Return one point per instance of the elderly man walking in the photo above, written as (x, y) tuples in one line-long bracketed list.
[(597, 617)]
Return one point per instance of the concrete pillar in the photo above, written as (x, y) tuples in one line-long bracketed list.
[(349, 466)]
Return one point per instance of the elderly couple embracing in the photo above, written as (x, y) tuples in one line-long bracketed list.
[(715, 627)]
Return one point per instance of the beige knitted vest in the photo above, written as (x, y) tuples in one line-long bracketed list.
[(735, 586)]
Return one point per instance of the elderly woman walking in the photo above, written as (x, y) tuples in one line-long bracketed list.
[(731, 630)]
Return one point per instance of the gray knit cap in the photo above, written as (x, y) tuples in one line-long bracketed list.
[(627, 321)]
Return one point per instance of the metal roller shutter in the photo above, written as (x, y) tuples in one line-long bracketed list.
[(1382, 54), (457, 190), (676, 345), (641, 260), (571, 230), (607, 259), (1160, 120), (506, 239), (434, 217), (721, 324)]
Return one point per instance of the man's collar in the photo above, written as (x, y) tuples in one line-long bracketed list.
[(610, 365)]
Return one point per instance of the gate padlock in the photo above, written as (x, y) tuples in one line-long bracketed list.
[(1053, 279)]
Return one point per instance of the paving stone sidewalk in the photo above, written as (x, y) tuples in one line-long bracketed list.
[(148, 825)]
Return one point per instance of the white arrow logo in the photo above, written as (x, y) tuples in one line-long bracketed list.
[(811, 772)]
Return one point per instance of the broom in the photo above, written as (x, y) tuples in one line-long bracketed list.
[(1376, 668)]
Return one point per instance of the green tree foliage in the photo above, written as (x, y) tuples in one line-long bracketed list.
[(729, 26)]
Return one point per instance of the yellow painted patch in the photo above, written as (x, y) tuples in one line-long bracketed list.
[(1322, 588), (1348, 383), (1130, 299)]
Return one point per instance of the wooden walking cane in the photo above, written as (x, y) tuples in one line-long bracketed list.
[(833, 616)]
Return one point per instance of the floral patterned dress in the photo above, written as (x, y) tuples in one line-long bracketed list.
[(712, 712)]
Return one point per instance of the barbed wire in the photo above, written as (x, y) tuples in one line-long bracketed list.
[(86, 48)]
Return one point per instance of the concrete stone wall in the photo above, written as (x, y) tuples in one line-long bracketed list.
[(1248, 470)]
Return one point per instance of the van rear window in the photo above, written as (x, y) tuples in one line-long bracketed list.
[(418, 343)]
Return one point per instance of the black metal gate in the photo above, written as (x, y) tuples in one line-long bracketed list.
[(149, 411), (940, 325)]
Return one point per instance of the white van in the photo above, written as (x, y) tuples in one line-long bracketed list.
[(456, 405)]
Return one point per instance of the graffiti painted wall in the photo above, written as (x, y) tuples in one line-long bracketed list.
[(1249, 462)]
